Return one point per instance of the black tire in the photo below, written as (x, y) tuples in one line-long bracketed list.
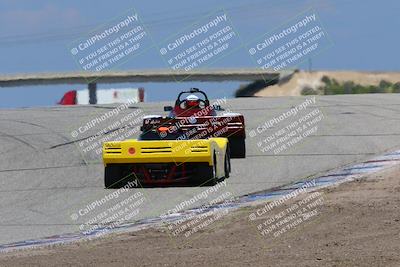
[(114, 177), (227, 164), (207, 174), (237, 147)]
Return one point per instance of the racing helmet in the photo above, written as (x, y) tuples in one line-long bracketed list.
[(192, 101)]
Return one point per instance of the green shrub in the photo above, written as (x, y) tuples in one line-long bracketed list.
[(309, 91), (396, 88), (333, 87)]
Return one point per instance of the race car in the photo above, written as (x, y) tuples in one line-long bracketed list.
[(191, 144), (193, 117), (200, 162)]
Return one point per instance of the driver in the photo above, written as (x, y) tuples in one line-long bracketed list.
[(192, 101)]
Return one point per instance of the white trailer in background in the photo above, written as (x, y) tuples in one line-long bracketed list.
[(112, 96), (104, 96)]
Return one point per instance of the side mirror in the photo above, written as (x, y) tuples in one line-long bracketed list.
[(217, 107), (168, 108)]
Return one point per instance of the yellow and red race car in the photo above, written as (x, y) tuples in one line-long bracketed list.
[(202, 162), (192, 144)]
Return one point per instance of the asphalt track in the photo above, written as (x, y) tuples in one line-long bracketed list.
[(45, 176)]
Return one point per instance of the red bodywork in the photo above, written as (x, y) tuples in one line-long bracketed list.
[(164, 174), (200, 122), (228, 126), (180, 112)]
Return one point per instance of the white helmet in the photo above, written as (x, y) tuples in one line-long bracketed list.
[(192, 101)]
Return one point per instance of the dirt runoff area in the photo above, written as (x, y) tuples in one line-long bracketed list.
[(352, 224)]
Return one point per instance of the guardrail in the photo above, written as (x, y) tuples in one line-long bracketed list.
[(137, 76)]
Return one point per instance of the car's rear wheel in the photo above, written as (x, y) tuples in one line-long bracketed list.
[(237, 147), (207, 175), (114, 176), (227, 165)]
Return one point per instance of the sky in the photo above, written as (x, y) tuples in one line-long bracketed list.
[(37, 36)]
